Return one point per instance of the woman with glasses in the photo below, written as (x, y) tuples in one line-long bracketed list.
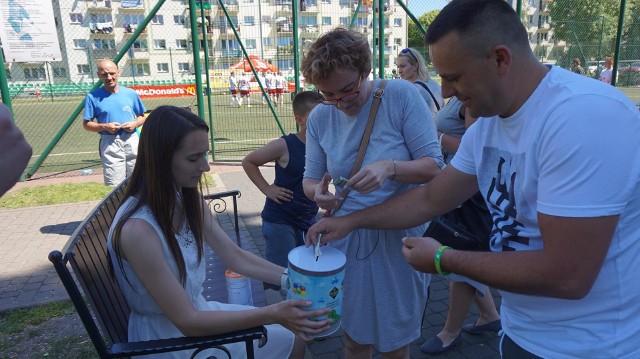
[(412, 67), (384, 296)]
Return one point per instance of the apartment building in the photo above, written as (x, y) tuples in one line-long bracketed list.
[(89, 30)]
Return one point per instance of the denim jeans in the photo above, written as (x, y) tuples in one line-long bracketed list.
[(281, 239)]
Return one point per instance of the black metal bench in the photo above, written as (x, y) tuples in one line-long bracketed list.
[(106, 315)]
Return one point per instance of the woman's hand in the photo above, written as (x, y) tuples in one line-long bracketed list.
[(331, 229), (372, 176), (323, 198), (278, 194), (291, 314)]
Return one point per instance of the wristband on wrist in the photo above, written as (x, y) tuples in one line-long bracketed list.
[(438, 257), (393, 176), (284, 280), (440, 139)]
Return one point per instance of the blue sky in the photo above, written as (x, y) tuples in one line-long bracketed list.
[(419, 7)]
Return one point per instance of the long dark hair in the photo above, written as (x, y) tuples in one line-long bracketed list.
[(152, 183)]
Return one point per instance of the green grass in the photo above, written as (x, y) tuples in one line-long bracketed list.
[(236, 131), (48, 331), (16, 321), (54, 194)]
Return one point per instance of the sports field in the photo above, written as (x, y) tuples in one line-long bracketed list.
[(236, 131)]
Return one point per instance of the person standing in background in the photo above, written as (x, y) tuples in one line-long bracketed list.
[(413, 68), (118, 112), (270, 81), (280, 83), (233, 88), (245, 89), (577, 67), (607, 72), (287, 212)]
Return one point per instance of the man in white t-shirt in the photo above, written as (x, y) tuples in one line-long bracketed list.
[(233, 88), (245, 89), (280, 83), (270, 82), (607, 72), (560, 179)]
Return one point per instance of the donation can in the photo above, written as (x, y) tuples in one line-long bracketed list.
[(238, 288), (318, 281)]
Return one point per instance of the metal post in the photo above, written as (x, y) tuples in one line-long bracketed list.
[(616, 55), (173, 80)]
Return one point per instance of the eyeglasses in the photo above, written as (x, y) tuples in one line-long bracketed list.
[(407, 51), (346, 98)]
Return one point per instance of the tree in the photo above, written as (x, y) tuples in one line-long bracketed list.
[(588, 27), (415, 37)]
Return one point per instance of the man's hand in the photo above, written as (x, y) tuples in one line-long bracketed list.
[(332, 228), (419, 253), (129, 126), (278, 194), (113, 127)]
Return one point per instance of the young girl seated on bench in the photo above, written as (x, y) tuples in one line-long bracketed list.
[(156, 248)]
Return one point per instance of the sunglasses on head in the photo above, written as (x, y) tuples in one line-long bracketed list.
[(407, 51)]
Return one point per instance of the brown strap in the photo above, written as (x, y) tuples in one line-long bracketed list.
[(377, 95)]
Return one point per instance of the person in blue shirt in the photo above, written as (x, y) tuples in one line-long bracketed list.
[(115, 112)]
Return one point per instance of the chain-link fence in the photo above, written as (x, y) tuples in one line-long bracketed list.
[(154, 45)]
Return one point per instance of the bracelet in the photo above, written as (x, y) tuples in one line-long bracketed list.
[(284, 280), (437, 258), (394, 170), (440, 139)]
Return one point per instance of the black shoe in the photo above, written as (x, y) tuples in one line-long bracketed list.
[(493, 327), (434, 345)]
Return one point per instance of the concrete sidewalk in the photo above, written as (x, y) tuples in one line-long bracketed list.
[(27, 278)]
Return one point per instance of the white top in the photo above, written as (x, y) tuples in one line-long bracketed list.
[(571, 150)]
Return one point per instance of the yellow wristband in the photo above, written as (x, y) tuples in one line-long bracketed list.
[(438, 257)]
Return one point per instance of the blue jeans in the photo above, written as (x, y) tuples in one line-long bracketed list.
[(281, 239)]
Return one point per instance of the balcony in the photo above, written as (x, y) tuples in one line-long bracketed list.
[(230, 53), (231, 9), (101, 29), (99, 6), (284, 27), (129, 29), (131, 6)]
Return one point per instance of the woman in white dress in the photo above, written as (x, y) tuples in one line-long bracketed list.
[(156, 244)]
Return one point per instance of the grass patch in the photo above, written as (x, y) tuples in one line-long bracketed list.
[(54, 194), (17, 320), (52, 330)]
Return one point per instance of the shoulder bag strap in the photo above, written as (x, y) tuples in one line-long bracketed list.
[(377, 95), (430, 93)]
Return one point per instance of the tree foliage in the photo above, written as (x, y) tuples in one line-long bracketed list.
[(415, 37), (589, 26)]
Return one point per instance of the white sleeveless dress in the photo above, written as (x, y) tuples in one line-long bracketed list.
[(147, 321)]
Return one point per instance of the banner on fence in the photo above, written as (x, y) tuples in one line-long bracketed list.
[(28, 31), (181, 90)]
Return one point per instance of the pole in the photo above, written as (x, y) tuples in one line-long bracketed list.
[(616, 55), (173, 80)]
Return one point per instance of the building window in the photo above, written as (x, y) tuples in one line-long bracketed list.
[(344, 2), (75, 18), (101, 18), (84, 69), (397, 22), (163, 67), (34, 73), (158, 20), (104, 44), (249, 20), (251, 43), (142, 69), (326, 20), (160, 44), (397, 42), (59, 72), (267, 41), (308, 20), (184, 67), (179, 19), (182, 44), (344, 20), (80, 43), (141, 45), (326, 1), (133, 19)]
